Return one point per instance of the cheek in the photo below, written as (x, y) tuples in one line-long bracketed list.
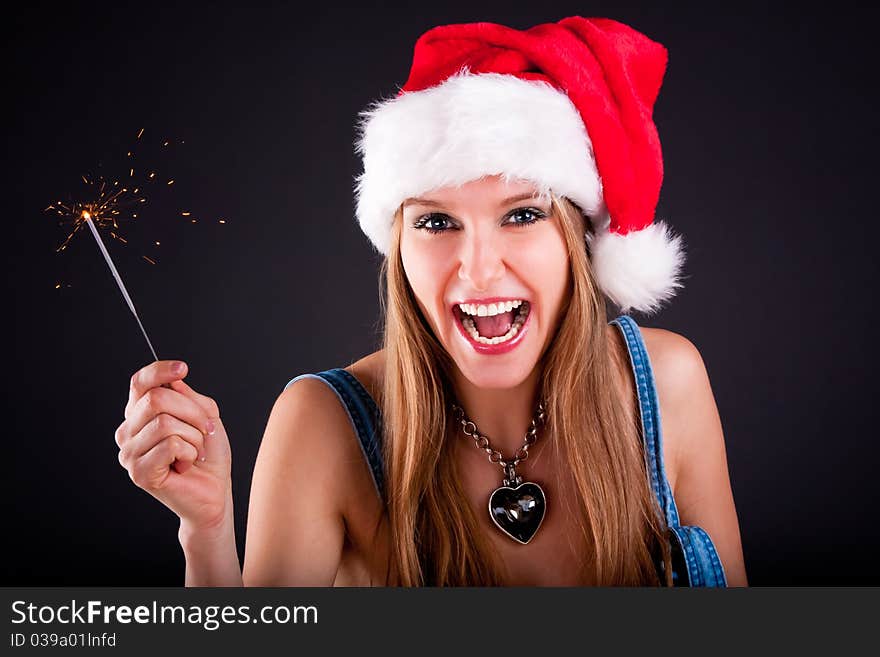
[(415, 266), (546, 266), (426, 267)]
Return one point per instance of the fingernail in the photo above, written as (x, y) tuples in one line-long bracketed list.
[(177, 368), (210, 427)]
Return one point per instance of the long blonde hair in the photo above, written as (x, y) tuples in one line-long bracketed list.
[(593, 422)]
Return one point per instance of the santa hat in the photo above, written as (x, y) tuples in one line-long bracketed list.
[(566, 106)]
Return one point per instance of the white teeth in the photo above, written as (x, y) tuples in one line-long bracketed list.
[(471, 328), (482, 310)]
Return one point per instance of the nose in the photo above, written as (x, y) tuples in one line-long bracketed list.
[(481, 261)]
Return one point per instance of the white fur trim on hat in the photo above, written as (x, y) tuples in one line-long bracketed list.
[(639, 270), (468, 127)]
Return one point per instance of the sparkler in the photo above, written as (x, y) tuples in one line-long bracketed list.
[(110, 203)]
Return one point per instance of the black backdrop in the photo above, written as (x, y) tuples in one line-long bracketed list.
[(769, 137)]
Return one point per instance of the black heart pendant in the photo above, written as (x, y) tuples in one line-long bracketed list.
[(518, 512)]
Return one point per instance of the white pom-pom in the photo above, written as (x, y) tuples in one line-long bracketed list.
[(639, 270)]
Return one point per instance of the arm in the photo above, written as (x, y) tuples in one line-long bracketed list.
[(694, 447), (211, 554), (295, 528)]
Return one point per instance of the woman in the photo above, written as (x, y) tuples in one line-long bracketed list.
[(511, 186)]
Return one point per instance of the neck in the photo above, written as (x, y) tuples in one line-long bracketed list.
[(503, 415)]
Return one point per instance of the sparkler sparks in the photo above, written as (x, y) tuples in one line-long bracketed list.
[(109, 205), (108, 202)]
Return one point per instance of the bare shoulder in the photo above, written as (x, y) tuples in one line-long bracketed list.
[(693, 445), (324, 429), (308, 468), (676, 361), (682, 389)]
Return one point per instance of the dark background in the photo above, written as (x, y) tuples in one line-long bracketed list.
[(768, 125)]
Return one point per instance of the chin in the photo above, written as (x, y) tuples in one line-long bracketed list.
[(495, 375), (500, 382)]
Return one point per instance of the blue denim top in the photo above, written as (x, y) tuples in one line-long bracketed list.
[(695, 561)]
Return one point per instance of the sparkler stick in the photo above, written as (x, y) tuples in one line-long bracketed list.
[(88, 220)]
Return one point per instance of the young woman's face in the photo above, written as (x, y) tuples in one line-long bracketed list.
[(489, 245)]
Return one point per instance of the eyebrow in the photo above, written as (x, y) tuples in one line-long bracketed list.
[(507, 201)]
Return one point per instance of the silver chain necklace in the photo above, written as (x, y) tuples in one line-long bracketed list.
[(517, 508)]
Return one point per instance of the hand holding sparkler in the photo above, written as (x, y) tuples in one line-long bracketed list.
[(174, 446), (172, 442), (166, 423)]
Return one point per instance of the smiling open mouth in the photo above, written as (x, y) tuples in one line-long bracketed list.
[(495, 323)]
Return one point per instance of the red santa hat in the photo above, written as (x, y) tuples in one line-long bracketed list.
[(566, 106)]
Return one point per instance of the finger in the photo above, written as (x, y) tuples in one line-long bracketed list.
[(151, 376), (152, 469), (207, 403), (158, 429), (155, 374), (180, 467), (162, 400), (215, 450), (120, 436)]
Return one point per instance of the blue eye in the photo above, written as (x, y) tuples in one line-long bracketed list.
[(437, 222), (529, 216), (433, 223)]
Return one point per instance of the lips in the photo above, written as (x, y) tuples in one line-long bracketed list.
[(492, 349)]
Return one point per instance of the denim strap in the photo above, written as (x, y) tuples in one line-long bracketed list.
[(363, 413), (649, 408)]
